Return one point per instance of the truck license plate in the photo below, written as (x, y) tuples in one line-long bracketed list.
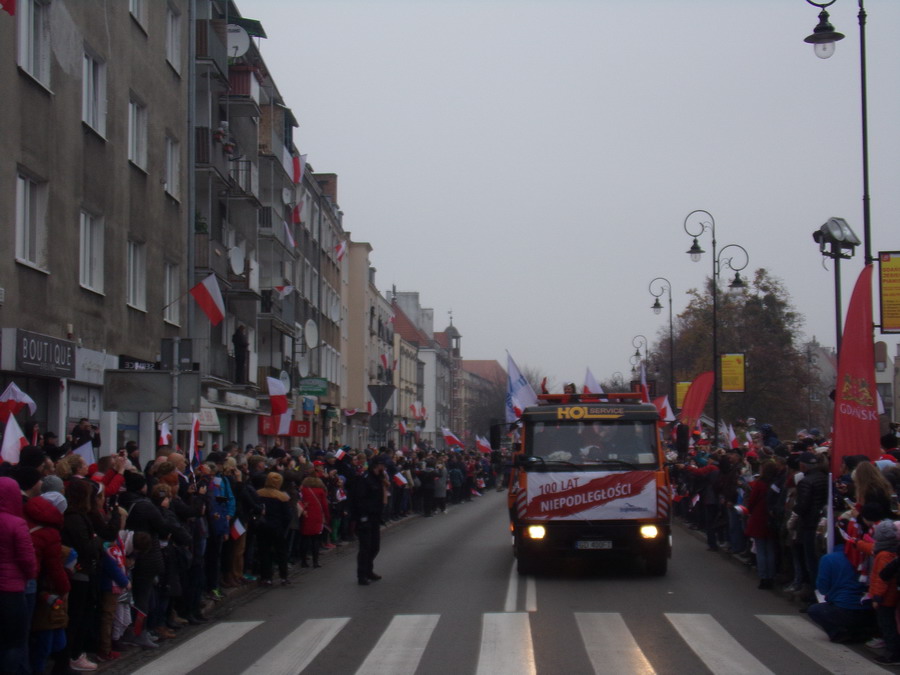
[(593, 544)]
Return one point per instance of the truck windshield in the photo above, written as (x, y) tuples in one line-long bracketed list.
[(613, 445)]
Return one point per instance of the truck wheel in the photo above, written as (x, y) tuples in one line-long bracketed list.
[(657, 564)]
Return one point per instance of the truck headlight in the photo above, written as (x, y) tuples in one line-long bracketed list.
[(649, 531), (537, 531)]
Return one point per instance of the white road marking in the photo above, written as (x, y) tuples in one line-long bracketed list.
[(530, 595), (812, 641), (715, 646), (198, 650), (512, 590), (297, 650), (401, 646), (506, 647), (610, 645)]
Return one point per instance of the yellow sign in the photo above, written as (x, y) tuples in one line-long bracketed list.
[(681, 390), (732, 372), (889, 283), (578, 412)]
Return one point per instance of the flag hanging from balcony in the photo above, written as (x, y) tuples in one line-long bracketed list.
[(209, 297), (288, 236), (296, 218), (9, 6), (299, 166), (13, 441), (277, 396), (284, 291), (13, 400), (340, 250), (384, 361)]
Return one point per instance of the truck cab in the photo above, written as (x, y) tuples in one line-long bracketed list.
[(589, 480)]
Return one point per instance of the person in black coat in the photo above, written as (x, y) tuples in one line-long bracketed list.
[(367, 499)]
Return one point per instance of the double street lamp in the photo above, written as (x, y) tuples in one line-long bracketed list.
[(666, 286), (705, 222)]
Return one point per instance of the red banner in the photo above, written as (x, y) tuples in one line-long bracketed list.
[(696, 397), (856, 430), (269, 426)]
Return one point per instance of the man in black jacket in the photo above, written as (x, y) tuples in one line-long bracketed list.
[(812, 495), (367, 499)]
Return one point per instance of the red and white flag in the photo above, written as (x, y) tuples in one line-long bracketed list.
[(519, 394), (732, 437), (339, 454), (297, 213), (9, 6), (413, 410), (85, 451), (13, 441), (299, 167), (666, 414), (195, 437), (340, 250), (422, 412), (237, 529), (288, 236), (284, 291), (165, 435), (400, 479), (209, 297), (645, 390), (384, 361), (591, 386), (401, 427), (13, 400), (371, 407), (277, 396), (482, 444), (450, 438)]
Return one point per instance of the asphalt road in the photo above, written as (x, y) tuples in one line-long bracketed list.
[(450, 602)]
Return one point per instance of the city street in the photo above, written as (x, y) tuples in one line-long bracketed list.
[(450, 602)]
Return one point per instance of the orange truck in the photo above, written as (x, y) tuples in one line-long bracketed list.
[(589, 480)]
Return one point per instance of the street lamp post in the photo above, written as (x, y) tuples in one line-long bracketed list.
[(839, 237), (823, 39), (657, 308), (705, 221)]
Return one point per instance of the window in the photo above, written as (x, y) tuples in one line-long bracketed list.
[(172, 175), (93, 93), (31, 221), (173, 38), (91, 252), (137, 276), (137, 133), (172, 294), (138, 9), (34, 39)]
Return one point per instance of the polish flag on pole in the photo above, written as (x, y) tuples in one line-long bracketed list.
[(288, 235), (13, 441), (209, 297), (482, 444), (591, 386), (284, 291), (450, 438), (277, 396), (195, 437), (519, 394), (237, 529), (400, 479), (339, 454), (12, 400), (401, 427), (666, 414), (85, 451), (645, 390), (165, 435), (413, 410), (732, 437), (340, 250)]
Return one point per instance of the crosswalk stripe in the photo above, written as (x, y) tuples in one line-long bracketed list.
[(610, 645), (297, 650), (810, 639), (506, 646), (714, 645), (198, 650), (401, 646)]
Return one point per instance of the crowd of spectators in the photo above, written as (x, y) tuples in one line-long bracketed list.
[(99, 558), (766, 502)]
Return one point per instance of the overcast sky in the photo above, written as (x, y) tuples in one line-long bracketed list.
[(528, 164)]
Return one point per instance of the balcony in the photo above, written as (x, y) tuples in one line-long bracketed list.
[(209, 153), (280, 311), (244, 178), (211, 47), (243, 92), (210, 254)]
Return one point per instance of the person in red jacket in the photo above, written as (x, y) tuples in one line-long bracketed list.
[(758, 527), (884, 594), (315, 503), (17, 566), (45, 520)]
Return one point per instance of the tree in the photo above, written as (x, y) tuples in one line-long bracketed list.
[(760, 323)]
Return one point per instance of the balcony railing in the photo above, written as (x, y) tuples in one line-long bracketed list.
[(211, 44), (245, 176), (243, 92)]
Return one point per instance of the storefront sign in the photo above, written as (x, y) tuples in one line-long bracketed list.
[(44, 355), (314, 386), (134, 363)]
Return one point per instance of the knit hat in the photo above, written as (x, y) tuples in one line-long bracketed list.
[(134, 481), (52, 484), (885, 536), (58, 500)]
